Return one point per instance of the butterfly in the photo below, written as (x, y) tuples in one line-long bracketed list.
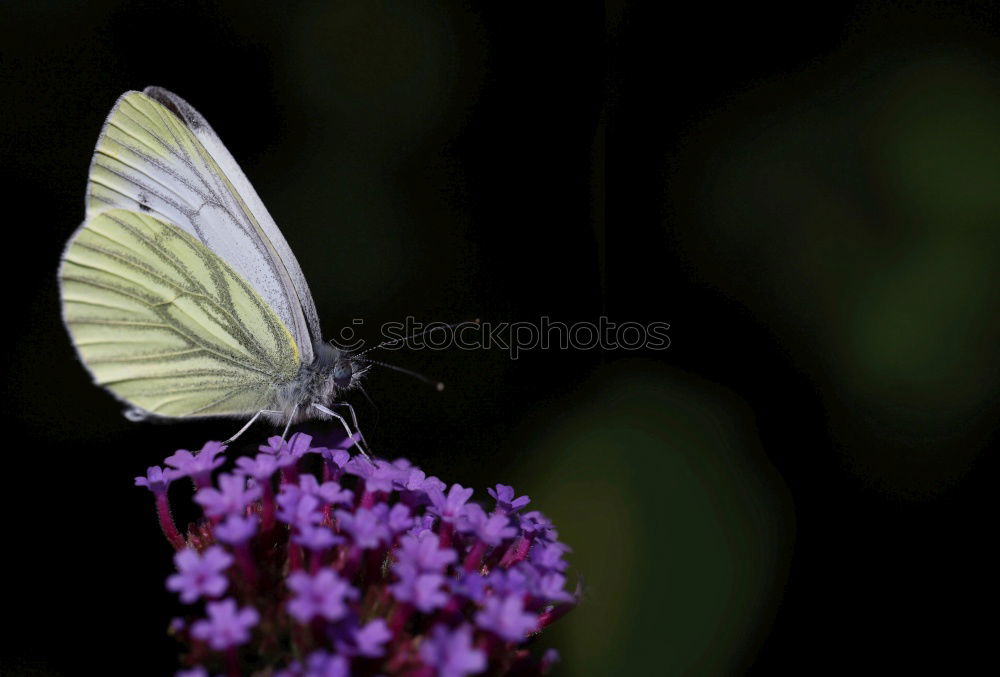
[(180, 294)]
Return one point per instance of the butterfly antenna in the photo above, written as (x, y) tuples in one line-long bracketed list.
[(420, 377), (413, 336)]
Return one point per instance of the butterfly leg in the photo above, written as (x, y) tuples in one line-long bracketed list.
[(288, 425), (250, 423), (354, 419), (340, 418)]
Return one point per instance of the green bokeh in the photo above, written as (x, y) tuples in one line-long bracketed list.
[(680, 527), (860, 221)]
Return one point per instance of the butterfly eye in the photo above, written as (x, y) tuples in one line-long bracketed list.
[(342, 373)]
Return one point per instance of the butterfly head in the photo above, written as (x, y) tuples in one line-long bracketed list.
[(343, 373), (334, 371)]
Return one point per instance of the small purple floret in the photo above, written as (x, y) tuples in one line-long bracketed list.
[(364, 528), (422, 590), (507, 618), (232, 496), (450, 506), (196, 671), (368, 640), (549, 556), (316, 538), (298, 509), (414, 479), (506, 503), (490, 529), (378, 476), (157, 479), (324, 595), (226, 626), (451, 652), (535, 522), (298, 445), (336, 458), (422, 553), (552, 587), (263, 465), (200, 575), (318, 664), (236, 529), (396, 518), (330, 493), (275, 445), (197, 466)]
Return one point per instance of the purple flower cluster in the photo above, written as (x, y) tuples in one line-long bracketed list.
[(309, 562)]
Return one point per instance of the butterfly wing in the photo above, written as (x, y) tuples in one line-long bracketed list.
[(158, 156), (166, 324), (211, 141)]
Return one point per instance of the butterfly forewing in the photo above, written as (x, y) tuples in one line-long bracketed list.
[(200, 128), (166, 324), (150, 160)]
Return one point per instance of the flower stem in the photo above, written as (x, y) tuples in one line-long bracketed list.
[(475, 557), (294, 556), (232, 662), (267, 506), (444, 535), (245, 562), (554, 614), (167, 522), (517, 551), (400, 615), (289, 475)]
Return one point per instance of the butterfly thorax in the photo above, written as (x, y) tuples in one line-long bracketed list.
[(322, 381)]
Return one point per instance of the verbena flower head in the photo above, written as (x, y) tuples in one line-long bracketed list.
[(310, 562)]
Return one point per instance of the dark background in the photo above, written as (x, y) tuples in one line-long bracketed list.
[(810, 196)]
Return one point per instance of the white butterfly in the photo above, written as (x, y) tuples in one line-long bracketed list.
[(179, 291)]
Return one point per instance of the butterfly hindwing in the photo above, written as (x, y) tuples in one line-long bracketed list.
[(166, 324)]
